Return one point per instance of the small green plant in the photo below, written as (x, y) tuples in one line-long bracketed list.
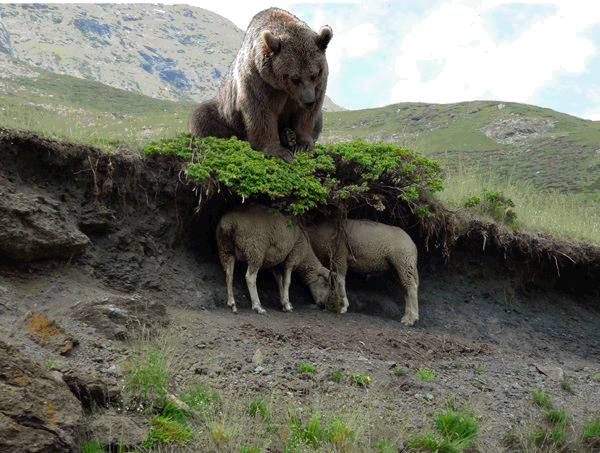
[(545, 436), (426, 375), (566, 385), (592, 430), (314, 435), (596, 377), (495, 204), (91, 447), (541, 398), (557, 418), (167, 430), (384, 447), (259, 408), (399, 372), (479, 368), (336, 377), (361, 380), (151, 376), (200, 401), (307, 369), (457, 431)]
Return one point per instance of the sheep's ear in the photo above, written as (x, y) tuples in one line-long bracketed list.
[(323, 37), (271, 41)]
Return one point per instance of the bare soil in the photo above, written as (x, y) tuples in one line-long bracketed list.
[(512, 318)]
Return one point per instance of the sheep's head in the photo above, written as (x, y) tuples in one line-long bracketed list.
[(325, 290)]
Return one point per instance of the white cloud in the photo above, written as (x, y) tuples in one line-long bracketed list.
[(476, 66), (354, 43)]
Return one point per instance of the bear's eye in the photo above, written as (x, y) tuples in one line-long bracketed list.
[(296, 80)]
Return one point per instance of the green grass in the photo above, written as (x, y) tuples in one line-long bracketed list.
[(307, 369), (479, 368), (426, 375), (361, 380), (568, 216), (596, 377), (457, 432), (399, 372), (541, 398), (592, 430)]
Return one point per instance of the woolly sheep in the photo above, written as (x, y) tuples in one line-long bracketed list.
[(367, 247), (264, 238)]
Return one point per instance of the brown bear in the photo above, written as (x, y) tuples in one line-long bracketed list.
[(273, 91)]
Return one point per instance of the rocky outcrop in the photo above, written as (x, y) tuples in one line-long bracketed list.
[(116, 316), (32, 227), (38, 412)]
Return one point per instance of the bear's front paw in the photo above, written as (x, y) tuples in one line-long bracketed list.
[(288, 138), (278, 151), (304, 142)]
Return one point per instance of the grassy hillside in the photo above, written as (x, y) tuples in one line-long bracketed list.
[(551, 150)]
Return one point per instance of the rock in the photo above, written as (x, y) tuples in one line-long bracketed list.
[(37, 414), (115, 432), (116, 316), (34, 227), (555, 373), (92, 390), (47, 333)]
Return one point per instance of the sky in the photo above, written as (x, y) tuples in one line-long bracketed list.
[(545, 53)]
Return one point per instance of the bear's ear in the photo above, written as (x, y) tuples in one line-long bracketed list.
[(272, 41), (324, 36)]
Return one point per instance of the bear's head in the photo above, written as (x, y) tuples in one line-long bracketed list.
[(297, 65)]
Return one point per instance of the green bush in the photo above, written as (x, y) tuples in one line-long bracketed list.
[(328, 174), (495, 204)]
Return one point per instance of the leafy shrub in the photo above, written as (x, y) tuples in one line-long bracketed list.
[(496, 205), (328, 174), (336, 377)]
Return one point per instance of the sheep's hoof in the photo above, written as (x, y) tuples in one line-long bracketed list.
[(233, 308), (288, 308), (260, 310), (343, 310), (409, 320)]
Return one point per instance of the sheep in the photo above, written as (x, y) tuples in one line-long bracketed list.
[(264, 238), (367, 247)]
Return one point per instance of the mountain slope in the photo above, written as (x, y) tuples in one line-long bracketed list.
[(548, 148), (175, 52)]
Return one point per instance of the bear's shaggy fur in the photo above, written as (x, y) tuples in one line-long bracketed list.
[(273, 92)]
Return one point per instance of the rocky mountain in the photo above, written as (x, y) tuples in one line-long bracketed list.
[(175, 52)]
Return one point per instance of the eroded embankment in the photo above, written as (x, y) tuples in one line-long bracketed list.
[(143, 230)]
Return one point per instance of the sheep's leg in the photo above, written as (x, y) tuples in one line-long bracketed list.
[(229, 265), (411, 312), (285, 296), (282, 295), (342, 287), (409, 278), (251, 274)]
